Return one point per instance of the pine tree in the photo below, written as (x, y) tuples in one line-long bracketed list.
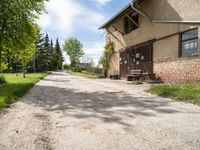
[(58, 55), (48, 53), (52, 58), (40, 54)]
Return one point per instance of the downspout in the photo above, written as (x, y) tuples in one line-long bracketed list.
[(151, 19), (140, 12)]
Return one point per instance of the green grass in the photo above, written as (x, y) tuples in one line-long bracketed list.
[(188, 92), (16, 86), (84, 74)]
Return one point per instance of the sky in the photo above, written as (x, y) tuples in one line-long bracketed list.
[(80, 19)]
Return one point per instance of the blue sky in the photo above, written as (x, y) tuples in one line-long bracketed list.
[(80, 19)]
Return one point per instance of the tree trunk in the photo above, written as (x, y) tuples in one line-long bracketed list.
[(1, 50), (34, 64), (0, 59), (24, 72)]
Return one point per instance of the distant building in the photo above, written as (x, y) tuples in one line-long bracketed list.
[(83, 65)]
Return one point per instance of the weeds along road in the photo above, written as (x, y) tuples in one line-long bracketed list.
[(64, 112)]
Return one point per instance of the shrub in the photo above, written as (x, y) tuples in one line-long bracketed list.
[(2, 79), (66, 66), (76, 69), (153, 81)]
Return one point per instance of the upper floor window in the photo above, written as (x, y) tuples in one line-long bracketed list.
[(189, 43), (131, 22)]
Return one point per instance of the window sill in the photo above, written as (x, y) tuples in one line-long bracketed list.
[(189, 57)]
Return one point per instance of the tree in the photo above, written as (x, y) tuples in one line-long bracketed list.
[(48, 57), (73, 48), (105, 58), (47, 51), (43, 54), (39, 53), (25, 57), (52, 65), (58, 55), (16, 23)]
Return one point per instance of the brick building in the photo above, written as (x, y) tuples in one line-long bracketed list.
[(158, 36)]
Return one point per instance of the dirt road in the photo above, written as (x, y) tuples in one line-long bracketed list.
[(72, 113)]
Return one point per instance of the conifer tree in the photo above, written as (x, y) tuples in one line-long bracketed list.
[(58, 55)]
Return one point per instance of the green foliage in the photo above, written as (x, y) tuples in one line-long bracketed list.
[(188, 92), (26, 55), (73, 48), (58, 57), (2, 79), (66, 66), (155, 81), (48, 57), (105, 58), (17, 23), (16, 86), (76, 69)]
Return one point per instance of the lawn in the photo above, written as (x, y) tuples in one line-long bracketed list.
[(84, 74), (189, 92), (16, 87)]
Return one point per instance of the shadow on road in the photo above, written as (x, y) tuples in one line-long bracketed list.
[(109, 107)]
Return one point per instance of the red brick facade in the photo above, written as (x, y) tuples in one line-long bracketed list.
[(181, 70)]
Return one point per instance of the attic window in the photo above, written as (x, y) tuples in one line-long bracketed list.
[(189, 43), (131, 22)]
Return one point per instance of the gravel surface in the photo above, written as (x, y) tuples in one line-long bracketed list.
[(64, 112)]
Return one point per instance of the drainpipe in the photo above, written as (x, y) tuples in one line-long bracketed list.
[(140, 12), (151, 19)]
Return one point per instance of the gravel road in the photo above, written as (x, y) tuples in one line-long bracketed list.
[(64, 112)]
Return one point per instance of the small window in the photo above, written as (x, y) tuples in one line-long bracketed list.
[(189, 43), (131, 23)]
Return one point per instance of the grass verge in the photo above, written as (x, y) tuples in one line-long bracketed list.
[(83, 74), (188, 92), (16, 86)]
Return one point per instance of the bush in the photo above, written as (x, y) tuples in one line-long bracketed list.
[(66, 66), (2, 79), (76, 69), (153, 81)]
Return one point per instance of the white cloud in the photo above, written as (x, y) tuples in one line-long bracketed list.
[(102, 2), (64, 15), (94, 50), (71, 18)]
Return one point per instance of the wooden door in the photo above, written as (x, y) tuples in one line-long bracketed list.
[(138, 57), (142, 58), (124, 64)]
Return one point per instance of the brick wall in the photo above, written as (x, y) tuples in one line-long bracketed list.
[(181, 70)]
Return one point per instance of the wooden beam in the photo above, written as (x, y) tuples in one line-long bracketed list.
[(117, 30), (116, 37), (133, 21)]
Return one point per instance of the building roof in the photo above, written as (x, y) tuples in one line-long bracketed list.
[(117, 15)]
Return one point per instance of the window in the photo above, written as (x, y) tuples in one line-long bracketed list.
[(189, 43), (131, 22)]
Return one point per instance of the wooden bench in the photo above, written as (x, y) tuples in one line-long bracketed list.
[(135, 75)]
